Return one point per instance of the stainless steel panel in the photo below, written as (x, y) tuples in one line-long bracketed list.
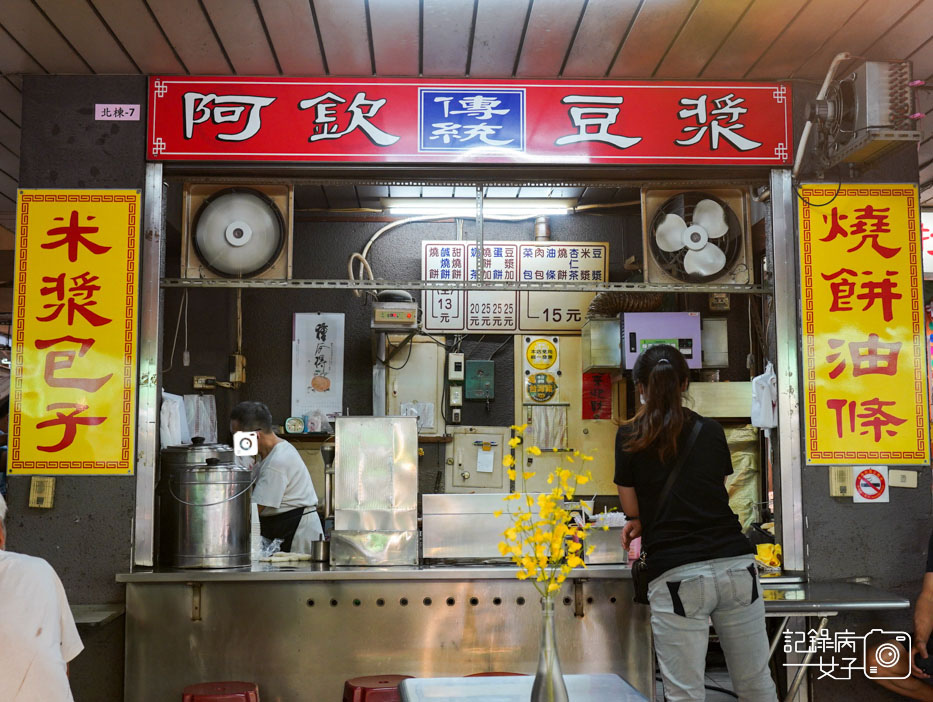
[(238, 25), (462, 536), (342, 24), (375, 519), (496, 37), (607, 546), (293, 35), (376, 468), (302, 640), (702, 34), (446, 36), (485, 503), (396, 38), (549, 33), (148, 354), (786, 313), (373, 548), (649, 38), (598, 36)]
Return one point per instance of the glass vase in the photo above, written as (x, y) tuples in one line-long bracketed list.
[(549, 682)]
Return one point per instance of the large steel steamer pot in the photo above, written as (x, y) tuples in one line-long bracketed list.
[(204, 508)]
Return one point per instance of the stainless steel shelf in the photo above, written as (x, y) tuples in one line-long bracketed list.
[(488, 286)]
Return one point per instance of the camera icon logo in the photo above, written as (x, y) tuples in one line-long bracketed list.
[(245, 443), (887, 653)]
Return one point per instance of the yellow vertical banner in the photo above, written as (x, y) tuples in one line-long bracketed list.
[(865, 391), (74, 343)]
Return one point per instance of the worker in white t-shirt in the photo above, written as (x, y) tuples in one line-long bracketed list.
[(37, 632), (283, 492)]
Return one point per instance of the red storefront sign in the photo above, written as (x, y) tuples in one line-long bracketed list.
[(468, 121)]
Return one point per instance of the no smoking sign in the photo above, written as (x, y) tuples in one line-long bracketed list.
[(871, 484)]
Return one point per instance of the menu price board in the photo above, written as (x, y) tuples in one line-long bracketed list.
[(74, 347), (508, 312), (863, 325)]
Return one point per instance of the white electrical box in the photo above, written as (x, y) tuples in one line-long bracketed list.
[(715, 342), (413, 382), (456, 395), (455, 364), (474, 460)]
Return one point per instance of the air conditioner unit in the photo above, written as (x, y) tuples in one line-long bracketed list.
[(697, 236), (866, 113), (237, 231)]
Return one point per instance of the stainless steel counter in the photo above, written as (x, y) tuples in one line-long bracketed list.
[(304, 570), (816, 599), (300, 632)]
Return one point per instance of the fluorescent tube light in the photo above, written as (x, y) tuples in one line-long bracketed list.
[(466, 207)]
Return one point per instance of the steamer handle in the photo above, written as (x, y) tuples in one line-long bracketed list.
[(210, 504)]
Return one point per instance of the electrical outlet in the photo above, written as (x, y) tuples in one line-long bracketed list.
[(456, 395), (455, 415), (205, 382), (840, 481), (902, 478), (42, 492)]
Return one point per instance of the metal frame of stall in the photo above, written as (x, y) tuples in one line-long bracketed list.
[(781, 252), (606, 597)]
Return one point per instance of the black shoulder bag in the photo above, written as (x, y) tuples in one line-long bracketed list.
[(640, 567)]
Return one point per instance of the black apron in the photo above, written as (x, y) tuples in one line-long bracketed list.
[(281, 526)]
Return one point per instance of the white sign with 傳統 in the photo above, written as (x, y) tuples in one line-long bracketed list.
[(509, 312), (317, 363)]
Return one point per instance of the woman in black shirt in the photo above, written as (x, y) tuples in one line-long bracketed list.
[(700, 566)]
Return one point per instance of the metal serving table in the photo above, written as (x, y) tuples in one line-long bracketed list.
[(300, 632), (580, 688), (824, 600)]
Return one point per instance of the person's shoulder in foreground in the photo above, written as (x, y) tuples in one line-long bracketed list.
[(38, 636)]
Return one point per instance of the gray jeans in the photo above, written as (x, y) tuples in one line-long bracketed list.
[(683, 600)]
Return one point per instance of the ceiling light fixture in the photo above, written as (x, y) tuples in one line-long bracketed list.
[(466, 207)]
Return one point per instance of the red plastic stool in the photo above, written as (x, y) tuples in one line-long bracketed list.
[(373, 688), (221, 692)]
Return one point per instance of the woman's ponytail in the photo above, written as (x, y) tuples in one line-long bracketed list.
[(663, 373)]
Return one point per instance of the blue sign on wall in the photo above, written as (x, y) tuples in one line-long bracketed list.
[(460, 120)]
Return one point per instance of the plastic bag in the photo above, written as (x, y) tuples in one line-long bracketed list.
[(270, 547), (764, 399), (744, 485)]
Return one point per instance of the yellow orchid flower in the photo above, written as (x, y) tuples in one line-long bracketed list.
[(519, 429), (515, 441), (508, 460), (534, 450)]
